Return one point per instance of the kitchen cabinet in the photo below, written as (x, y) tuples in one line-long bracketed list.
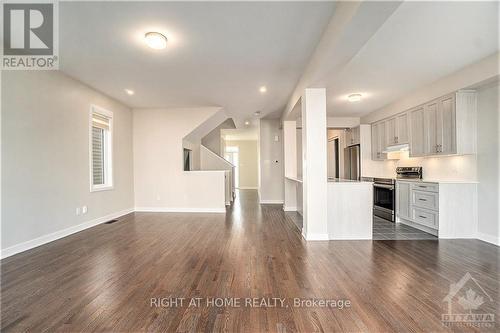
[(403, 200), (417, 204), (352, 136), (397, 129), (418, 132), (445, 209), (449, 125), (402, 128), (390, 132), (379, 141)]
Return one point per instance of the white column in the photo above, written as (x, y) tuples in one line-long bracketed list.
[(290, 158), (314, 141)]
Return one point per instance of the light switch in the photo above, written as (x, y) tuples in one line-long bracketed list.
[(276, 138)]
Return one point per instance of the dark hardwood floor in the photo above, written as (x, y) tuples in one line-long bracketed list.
[(103, 279)]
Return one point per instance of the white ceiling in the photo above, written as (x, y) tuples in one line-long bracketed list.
[(218, 54), (419, 43)]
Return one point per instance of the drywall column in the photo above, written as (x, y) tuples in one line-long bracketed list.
[(315, 222), (290, 159)]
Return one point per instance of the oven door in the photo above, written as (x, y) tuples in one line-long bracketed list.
[(383, 201)]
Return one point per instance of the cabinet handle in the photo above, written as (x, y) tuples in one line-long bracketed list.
[(424, 217), (422, 199), (422, 186)]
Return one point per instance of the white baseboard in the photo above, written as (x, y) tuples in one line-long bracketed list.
[(488, 238), (316, 237), (21, 247), (289, 209), (271, 202), (179, 210), (247, 188)]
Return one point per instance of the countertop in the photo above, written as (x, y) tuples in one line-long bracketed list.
[(342, 180), (429, 180)]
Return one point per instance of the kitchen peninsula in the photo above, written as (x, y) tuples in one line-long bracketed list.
[(350, 209)]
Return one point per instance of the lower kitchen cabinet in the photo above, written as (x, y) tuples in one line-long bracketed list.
[(403, 200), (417, 205), (444, 209)]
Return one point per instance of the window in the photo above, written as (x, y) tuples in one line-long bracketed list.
[(101, 134), (187, 159)]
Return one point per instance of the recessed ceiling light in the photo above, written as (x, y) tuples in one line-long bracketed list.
[(354, 97), (263, 89), (257, 113), (247, 123), (156, 40), (129, 91)]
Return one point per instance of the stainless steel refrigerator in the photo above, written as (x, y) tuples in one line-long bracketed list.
[(352, 163)]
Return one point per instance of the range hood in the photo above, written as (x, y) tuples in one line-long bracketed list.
[(395, 148)]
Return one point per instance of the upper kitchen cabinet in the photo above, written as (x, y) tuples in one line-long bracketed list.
[(397, 130), (450, 124), (418, 141), (352, 136), (379, 141)]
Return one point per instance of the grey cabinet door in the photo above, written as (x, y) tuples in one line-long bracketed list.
[(390, 131), (375, 153), (417, 132), (403, 200), (432, 127), (355, 135), (446, 136), (402, 128), (382, 142)]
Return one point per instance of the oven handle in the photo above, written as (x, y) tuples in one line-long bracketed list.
[(390, 187)]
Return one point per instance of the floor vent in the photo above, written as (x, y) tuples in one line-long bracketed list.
[(112, 221)]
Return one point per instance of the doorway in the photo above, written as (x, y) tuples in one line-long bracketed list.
[(231, 154)]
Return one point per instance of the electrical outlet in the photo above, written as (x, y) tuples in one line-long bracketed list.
[(84, 210), (77, 211)]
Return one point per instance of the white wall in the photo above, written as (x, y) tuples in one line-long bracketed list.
[(489, 163), (45, 158), (271, 161), (342, 122), (159, 180)]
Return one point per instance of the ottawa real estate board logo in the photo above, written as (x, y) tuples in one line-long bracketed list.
[(30, 35), (466, 304)]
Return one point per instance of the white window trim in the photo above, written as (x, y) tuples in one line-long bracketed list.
[(109, 151)]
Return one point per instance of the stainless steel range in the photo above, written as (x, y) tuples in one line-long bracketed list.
[(409, 172), (384, 198), (384, 192)]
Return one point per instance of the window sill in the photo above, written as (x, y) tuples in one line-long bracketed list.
[(101, 188)]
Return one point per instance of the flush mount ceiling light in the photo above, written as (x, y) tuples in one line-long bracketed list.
[(156, 40), (354, 97), (263, 89), (129, 92)]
